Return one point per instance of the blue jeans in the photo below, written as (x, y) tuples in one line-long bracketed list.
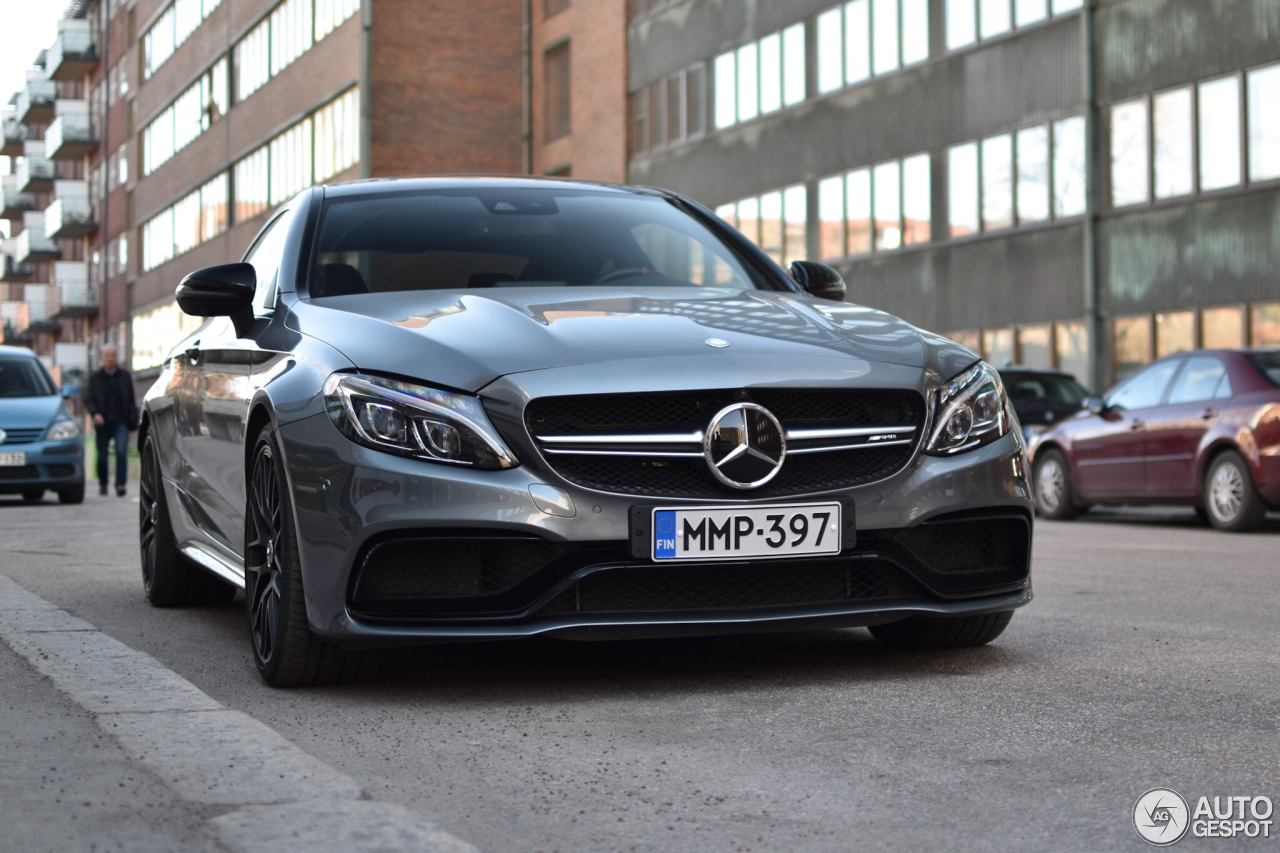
[(105, 435)]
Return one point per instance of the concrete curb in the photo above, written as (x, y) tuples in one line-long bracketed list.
[(207, 753)]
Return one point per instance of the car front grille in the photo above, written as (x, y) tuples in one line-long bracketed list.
[(22, 436), (651, 444), (966, 546), (19, 472), (649, 588)]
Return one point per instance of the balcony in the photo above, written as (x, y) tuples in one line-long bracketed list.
[(72, 293), (9, 310), (71, 213), (33, 246), (35, 171), (15, 133), (72, 134), (35, 102), (33, 315), (74, 52), (13, 271), (14, 204)]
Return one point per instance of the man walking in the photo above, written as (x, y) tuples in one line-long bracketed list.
[(115, 413)]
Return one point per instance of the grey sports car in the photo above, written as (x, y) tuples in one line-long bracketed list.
[(466, 408)]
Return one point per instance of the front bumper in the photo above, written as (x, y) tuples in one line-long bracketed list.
[(49, 465), (348, 498)]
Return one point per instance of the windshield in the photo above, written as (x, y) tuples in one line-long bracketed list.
[(1044, 388), (518, 237), (24, 377), (1268, 364)]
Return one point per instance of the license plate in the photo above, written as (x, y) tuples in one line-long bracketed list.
[(13, 460), (731, 533)]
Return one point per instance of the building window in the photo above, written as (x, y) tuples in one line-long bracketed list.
[(962, 170), (192, 113), (1132, 344), (997, 182), (282, 36), (1175, 332), (1174, 162), (1222, 328), (1220, 133), (969, 20), (775, 221), (1035, 346), (170, 30), (1264, 324), (880, 209), (337, 136), (696, 101), (313, 150), (1070, 348), (1033, 175), (760, 77), (193, 219), (862, 37), (556, 83), (1068, 167), (1129, 141), (1264, 123)]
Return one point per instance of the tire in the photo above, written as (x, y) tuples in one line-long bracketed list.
[(1054, 491), (73, 495), (33, 496), (285, 650), (168, 578), (954, 632), (1230, 499)]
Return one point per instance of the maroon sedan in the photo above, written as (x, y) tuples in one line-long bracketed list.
[(1199, 428)]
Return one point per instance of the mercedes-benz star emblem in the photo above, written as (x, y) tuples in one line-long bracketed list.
[(718, 343), (745, 446)]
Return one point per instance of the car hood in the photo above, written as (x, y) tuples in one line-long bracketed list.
[(465, 339), (28, 412)]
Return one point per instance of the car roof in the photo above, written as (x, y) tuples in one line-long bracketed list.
[(450, 182), (21, 352)]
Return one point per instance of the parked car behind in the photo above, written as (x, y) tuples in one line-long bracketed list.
[(40, 445), (1200, 429), (1042, 398)]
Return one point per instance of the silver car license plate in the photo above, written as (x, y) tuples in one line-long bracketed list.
[(757, 532), (13, 460)]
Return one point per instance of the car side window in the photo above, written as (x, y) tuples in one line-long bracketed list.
[(265, 256), (1146, 389), (1199, 380), (1224, 388)]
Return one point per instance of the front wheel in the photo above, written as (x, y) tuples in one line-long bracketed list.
[(285, 650), (1051, 482), (947, 632), (33, 496), (73, 495), (1230, 500)]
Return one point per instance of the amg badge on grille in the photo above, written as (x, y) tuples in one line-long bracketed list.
[(744, 446)]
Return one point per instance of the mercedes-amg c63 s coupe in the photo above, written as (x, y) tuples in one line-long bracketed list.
[(477, 408)]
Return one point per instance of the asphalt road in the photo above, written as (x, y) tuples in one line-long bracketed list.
[(1147, 659)]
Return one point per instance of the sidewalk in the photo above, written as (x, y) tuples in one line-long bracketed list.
[(65, 785)]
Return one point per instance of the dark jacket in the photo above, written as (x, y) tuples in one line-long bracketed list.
[(95, 398)]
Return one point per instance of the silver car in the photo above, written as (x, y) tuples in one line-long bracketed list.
[(476, 408)]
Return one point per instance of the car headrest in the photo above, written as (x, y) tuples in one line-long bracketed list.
[(338, 280)]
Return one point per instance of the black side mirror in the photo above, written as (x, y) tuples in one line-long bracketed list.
[(222, 291), (1095, 405), (819, 280)]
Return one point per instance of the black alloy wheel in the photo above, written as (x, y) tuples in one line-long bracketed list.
[(285, 650), (168, 578)]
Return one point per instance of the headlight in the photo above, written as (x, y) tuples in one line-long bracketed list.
[(63, 430), (411, 420), (969, 411)]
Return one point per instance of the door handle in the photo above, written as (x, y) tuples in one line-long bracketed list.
[(1209, 414), (1135, 425)]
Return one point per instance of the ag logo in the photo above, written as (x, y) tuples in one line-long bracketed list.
[(1161, 816)]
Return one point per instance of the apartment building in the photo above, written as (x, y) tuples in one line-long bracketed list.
[(1087, 184), (156, 136)]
